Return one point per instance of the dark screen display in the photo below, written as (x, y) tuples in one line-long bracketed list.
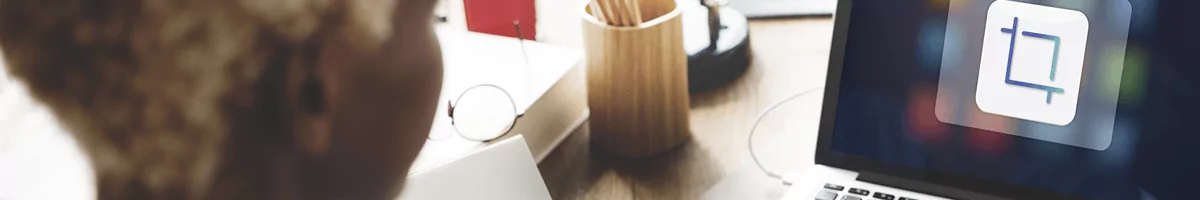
[(895, 59)]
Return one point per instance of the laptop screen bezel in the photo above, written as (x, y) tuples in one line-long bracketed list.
[(826, 156)]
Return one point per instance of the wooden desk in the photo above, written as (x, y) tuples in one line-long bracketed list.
[(790, 56)]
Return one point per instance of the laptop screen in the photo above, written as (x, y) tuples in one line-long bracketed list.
[(1093, 98)]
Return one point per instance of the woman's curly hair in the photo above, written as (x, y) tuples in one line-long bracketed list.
[(159, 92)]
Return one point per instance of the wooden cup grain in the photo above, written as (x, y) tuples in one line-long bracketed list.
[(637, 82)]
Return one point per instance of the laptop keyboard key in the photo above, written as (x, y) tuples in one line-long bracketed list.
[(859, 191), (883, 196), (826, 195), (834, 187), (906, 198), (851, 198)]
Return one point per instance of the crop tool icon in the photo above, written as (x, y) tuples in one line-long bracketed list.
[(1050, 90), (1032, 61)]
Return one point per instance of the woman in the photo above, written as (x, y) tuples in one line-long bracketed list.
[(233, 99)]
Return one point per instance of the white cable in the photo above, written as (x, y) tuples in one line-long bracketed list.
[(750, 138)]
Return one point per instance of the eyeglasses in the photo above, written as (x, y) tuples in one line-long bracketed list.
[(483, 113)]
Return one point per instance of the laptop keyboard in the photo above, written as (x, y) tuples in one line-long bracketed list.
[(835, 192)]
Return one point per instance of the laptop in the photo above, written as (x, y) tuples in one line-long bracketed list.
[(998, 99), (783, 8)]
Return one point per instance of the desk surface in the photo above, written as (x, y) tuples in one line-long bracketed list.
[(790, 56)]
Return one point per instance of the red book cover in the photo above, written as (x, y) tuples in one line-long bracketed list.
[(497, 16)]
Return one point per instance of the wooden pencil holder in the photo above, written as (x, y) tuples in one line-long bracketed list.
[(637, 82)]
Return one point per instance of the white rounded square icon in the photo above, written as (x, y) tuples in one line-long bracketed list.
[(1032, 62)]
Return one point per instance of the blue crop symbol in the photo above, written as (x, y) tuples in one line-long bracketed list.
[(1053, 65)]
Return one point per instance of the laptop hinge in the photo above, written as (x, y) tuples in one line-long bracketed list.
[(923, 187)]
